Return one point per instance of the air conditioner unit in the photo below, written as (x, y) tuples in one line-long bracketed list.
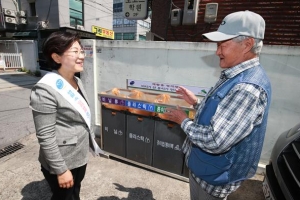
[(22, 13), (42, 24), (9, 12), (22, 21), (11, 20), (79, 27)]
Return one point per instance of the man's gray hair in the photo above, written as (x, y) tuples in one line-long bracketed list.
[(258, 43)]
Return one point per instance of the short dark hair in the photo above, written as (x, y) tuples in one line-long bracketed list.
[(58, 42)]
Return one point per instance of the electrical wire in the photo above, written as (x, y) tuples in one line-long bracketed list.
[(48, 12), (175, 5), (110, 13)]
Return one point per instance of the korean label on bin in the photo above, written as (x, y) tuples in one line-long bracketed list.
[(139, 138), (113, 101), (140, 105), (162, 109), (129, 103), (168, 145)]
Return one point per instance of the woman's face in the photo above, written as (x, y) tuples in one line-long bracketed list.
[(72, 59)]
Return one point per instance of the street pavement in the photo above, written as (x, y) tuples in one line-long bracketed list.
[(14, 80), (105, 179), (15, 114)]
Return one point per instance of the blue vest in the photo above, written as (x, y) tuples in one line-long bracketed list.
[(241, 161)]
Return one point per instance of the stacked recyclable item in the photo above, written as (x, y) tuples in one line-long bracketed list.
[(134, 94)]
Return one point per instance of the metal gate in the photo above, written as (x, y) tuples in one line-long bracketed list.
[(11, 61)]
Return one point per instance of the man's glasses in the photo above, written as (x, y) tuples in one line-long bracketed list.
[(77, 53)]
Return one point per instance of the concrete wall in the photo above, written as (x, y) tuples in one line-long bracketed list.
[(111, 63), (8, 46), (28, 48)]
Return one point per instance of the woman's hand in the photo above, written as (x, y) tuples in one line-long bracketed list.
[(187, 95), (65, 180)]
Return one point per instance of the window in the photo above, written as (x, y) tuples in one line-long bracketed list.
[(142, 37), (118, 36), (76, 12), (145, 24), (32, 9), (118, 7), (128, 36)]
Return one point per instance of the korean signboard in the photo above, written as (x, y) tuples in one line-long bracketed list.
[(165, 87), (135, 9), (102, 32)]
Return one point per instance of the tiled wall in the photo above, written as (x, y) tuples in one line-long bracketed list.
[(282, 19)]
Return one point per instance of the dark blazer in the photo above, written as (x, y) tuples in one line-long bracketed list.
[(62, 133)]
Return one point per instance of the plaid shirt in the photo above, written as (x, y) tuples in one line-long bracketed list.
[(244, 105)]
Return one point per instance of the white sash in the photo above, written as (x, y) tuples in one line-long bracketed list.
[(59, 84)]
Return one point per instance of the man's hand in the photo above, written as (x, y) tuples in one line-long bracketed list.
[(175, 115), (65, 180), (187, 95)]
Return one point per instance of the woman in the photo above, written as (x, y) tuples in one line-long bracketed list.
[(62, 116)]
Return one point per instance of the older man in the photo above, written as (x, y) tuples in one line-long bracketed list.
[(225, 139)]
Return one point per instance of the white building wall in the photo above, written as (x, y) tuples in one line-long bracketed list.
[(98, 13), (95, 13), (8, 4), (63, 13), (194, 64)]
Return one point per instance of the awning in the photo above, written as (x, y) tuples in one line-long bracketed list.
[(25, 34), (82, 34)]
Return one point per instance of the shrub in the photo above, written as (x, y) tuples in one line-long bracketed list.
[(37, 73)]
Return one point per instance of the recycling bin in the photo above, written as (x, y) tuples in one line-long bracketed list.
[(167, 152), (139, 138), (135, 128), (114, 131)]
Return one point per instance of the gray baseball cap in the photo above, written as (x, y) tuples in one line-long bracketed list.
[(245, 23)]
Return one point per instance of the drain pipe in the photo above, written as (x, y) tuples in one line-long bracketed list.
[(16, 47), (16, 5)]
